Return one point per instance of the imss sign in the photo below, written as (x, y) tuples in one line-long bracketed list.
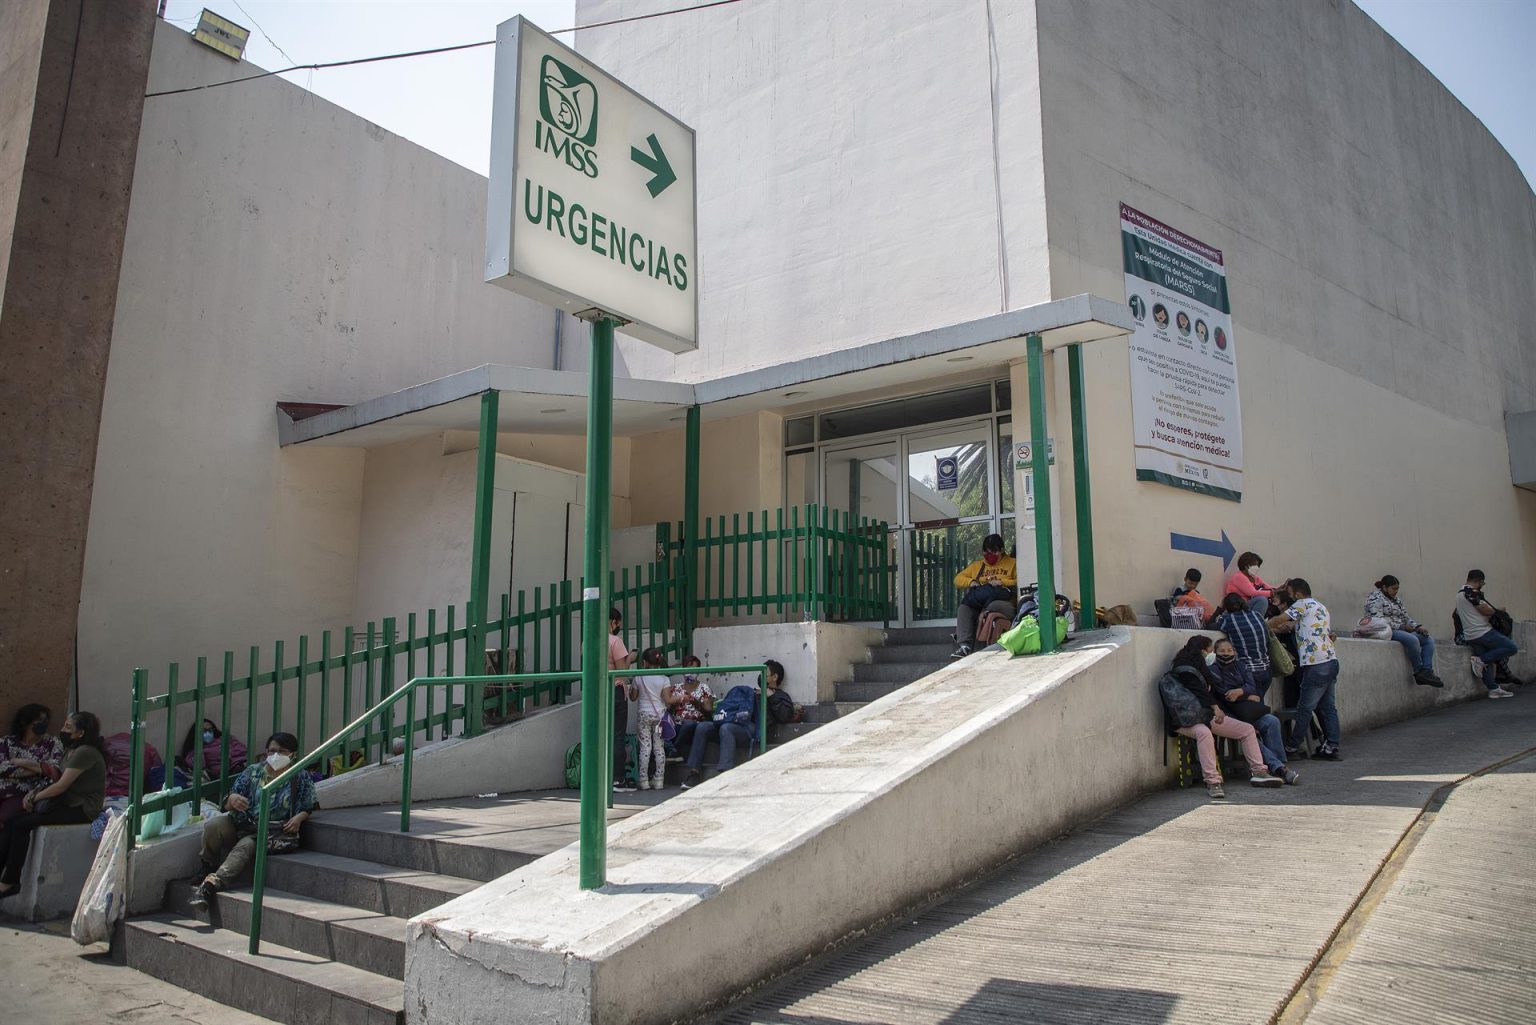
[(591, 201)]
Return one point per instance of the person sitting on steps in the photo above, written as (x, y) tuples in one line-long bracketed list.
[(989, 585), (734, 724), (695, 704), (1189, 596), (229, 840)]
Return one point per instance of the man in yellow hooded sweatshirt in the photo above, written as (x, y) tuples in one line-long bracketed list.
[(990, 584)]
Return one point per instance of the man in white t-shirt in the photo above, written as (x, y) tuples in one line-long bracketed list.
[(1309, 619), (1491, 646)]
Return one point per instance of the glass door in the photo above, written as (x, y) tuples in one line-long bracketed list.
[(950, 505), (864, 480)]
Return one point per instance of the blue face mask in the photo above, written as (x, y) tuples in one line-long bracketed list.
[(207, 736)]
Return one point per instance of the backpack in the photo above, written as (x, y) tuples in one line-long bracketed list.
[(1180, 706), (991, 626), (573, 766)]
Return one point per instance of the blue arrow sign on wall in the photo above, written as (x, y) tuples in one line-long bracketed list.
[(1222, 549)]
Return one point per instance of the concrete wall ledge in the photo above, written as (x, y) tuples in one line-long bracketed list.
[(795, 851), (54, 873)]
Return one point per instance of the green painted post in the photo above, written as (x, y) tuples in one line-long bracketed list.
[(1045, 571), (199, 760), (1080, 483), (410, 748), (480, 565), (597, 703), (172, 680), (691, 527), (136, 753), (224, 699), (259, 869)]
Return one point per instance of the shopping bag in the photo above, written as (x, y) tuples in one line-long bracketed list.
[(106, 887)]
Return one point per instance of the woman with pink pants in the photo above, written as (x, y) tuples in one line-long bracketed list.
[(1191, 670)]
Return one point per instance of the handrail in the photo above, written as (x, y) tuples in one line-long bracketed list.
[(407, 693)]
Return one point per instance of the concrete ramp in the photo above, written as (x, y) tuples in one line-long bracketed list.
[(805, 846)]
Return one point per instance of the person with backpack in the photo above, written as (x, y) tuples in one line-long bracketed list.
[(733, 724), (1190, 709), (989, 585), (1474, 617), (1414, 637)]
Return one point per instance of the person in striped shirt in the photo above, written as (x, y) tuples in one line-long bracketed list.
[(1249, 634)]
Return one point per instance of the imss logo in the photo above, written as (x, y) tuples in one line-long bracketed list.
[(568, 106)]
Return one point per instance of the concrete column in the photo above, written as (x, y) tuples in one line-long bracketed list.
[(72, 77)]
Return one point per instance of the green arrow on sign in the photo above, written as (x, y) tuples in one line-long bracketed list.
[(655, 162)]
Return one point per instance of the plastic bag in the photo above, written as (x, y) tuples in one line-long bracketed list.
[(1024, 639), (1374, 628), (106, 887)]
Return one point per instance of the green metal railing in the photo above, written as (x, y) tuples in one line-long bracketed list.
[(806, 562), (936, 559), (524, 685)]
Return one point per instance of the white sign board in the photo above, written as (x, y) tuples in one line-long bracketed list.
[(1184, 404), (591, 202)]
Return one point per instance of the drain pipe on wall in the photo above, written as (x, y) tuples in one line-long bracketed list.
[(559, 333)]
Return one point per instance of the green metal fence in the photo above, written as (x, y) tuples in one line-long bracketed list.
[(812, 563), (936, 558), (806, 562)]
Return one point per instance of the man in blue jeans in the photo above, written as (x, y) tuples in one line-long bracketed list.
[(1309, 618), (734, 723), (1477, 630)]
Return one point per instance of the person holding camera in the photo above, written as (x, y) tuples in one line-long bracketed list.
[(989, 585)]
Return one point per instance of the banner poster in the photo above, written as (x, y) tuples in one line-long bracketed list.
[(1184, 404)]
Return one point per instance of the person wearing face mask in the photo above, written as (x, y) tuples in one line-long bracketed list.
[(1192, 668), (75, 797), (210, 740), (229, 840), (1242, 698), (30, 758), (989, 585)]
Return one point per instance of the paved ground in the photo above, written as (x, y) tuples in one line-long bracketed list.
[(1179, 909), (1175, 909), (1453, 937)]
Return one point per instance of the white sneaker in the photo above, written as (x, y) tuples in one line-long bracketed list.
[(659, 783), (643, 785), (1500, 692), (1477, 667)]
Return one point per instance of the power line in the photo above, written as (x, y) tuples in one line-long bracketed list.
[(425, 53), (279, 49)]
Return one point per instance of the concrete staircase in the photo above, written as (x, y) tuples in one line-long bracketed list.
[(333, 925), (908, 655)]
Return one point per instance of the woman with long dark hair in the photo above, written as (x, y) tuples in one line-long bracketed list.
[(209, 739), (1191, 668), (75, 797), (29, 758)]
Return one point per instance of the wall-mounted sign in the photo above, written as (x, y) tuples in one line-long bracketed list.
[(1185, 414), (221, 34), (591, 200), (948, 473), (1024, 452)]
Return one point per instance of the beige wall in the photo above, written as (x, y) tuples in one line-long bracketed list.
[(741, 468), (278, 248), (1379, 246)]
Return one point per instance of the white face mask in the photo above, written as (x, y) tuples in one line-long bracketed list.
[(1210, 658), (277, 761)]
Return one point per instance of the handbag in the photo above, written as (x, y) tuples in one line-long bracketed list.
[(1249, 712), (1280, 662), (668, 727)]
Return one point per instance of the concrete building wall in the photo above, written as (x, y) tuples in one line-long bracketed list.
[(278, 248), (741, 463), (72, 78), (1381, 251), (852, 167)]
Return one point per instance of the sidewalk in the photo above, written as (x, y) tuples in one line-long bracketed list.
[(1181, 909)]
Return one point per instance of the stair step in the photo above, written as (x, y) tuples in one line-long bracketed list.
[(863, 693), (280, 983), (384, 889), (919, 635), (912, 653), (352, 936), (419, 853), (826, 711), (895, 672)]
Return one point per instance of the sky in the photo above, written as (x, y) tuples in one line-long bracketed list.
[(1480, 49)]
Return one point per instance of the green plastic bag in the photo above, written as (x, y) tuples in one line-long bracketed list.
[(573, 767), (1024, 639)]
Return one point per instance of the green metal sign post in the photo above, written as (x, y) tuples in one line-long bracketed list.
[(480, 556), (1083, 498), (690, 595), (1045, 572), (596, 702)]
